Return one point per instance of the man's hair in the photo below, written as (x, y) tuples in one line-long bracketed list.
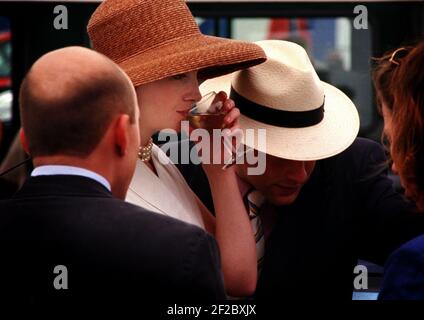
[(69, 116)]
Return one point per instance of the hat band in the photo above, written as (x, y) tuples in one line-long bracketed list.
[(279, 118)]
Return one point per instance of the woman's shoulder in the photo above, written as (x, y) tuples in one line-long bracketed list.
[(404, 273), (415, 246), (407, 256)]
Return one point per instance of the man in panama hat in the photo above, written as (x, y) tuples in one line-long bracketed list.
[(324, 200)]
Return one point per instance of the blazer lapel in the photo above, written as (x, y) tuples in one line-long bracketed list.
[(167, 193)]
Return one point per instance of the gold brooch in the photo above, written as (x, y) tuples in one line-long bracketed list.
[(145, 152)]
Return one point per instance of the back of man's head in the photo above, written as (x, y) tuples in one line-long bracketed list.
[(69, 98)]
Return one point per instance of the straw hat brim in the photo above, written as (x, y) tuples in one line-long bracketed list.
[(335, 133), (212, 56)]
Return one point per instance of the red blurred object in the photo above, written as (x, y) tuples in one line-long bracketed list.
[(283, 28), (279, 29), (5, 36), (5, 82)]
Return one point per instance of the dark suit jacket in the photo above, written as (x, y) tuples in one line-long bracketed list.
[(347, 210), (7, 189), (114, 252), (404, 273)]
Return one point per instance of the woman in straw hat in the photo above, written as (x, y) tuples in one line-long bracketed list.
[(160, 47), (399, 81)]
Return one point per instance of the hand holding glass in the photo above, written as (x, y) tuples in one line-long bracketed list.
[(207, 114)]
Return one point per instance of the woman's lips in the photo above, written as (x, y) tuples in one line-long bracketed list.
[(184, 113)]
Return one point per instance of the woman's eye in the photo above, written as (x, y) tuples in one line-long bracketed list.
[(179, 76)]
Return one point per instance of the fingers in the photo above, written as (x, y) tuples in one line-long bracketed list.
[(228, 105), (220, 96), (236, 127), (231, 118)]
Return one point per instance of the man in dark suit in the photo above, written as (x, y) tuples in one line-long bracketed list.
[(323, 199), (66, 236), (345, 210)]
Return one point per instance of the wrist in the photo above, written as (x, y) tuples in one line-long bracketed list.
[(216, 172)]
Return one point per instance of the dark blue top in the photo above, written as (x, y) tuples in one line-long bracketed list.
[(404, 273)]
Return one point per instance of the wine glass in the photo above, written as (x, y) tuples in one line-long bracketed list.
[(207, 114)]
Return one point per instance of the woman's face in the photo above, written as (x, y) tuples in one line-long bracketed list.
[(165, 103), (387, 116), (388, 131)]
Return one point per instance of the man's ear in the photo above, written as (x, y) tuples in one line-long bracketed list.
[(121, 134), (24, 141)]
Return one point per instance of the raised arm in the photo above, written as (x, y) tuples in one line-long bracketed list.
[(233, 233)]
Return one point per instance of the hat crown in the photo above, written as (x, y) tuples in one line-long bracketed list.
[(115, 26), (286, 81)]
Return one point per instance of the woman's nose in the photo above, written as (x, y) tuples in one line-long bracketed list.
[(394, 169), (196, 94)]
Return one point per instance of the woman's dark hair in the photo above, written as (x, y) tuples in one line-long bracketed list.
[(407, 148)]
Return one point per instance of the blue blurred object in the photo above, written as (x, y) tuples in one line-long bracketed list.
[(4, 24), (215, 27), (207, 26), (364, 296)]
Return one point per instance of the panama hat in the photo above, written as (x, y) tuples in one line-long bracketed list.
[(304, 117), (155, 39)]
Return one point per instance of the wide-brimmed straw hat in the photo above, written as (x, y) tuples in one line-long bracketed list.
[(155, 39), (304, 117)]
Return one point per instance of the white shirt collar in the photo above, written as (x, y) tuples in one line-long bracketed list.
[(50, 170)]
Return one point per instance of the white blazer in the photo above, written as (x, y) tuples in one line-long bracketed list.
[(166, 193)]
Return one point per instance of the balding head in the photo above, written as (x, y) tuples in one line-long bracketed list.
[(69, 98)]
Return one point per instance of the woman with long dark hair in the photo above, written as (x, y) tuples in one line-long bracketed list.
[(399, 82)]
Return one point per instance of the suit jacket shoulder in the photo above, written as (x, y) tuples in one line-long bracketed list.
[(364, 158)]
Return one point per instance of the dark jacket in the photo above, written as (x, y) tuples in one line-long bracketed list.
[(348, 210), (114, 252), (404, 273)]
